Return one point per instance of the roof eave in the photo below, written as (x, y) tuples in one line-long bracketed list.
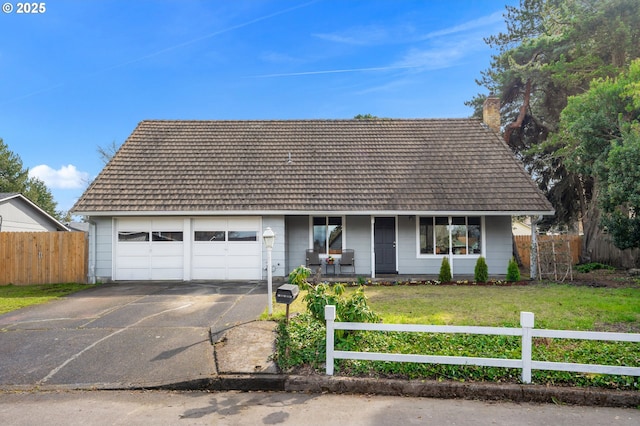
[(319, 212)]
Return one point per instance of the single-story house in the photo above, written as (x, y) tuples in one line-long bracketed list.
[(189, 200), (19, 214)]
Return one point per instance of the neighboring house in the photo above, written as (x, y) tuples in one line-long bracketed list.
[(189, 200), (19, 214), (521, 227)]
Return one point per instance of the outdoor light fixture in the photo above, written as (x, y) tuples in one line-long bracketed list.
[(269, 238)]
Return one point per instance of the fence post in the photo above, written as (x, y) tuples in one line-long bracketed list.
[(526, 322), (329, 316)]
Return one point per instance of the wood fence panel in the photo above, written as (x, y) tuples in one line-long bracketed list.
[(43, 257), (523, 243)]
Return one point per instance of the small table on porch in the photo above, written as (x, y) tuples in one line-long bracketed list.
[(333, 268)]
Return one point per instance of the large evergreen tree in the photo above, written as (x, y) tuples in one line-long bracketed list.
[(15, 178), (552, 50)]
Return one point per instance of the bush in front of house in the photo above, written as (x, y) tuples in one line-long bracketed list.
[(513, 272), (481, 272), (445, 271)]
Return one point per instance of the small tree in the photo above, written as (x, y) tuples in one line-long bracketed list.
[(513, 272), (481, 272), (445, 271)]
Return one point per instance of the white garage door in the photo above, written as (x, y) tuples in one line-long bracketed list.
[(226, 248), (149, 249)]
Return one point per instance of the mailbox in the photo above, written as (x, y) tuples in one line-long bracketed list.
[(287, 293)]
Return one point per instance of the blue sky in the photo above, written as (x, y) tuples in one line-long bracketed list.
[(84, 73)]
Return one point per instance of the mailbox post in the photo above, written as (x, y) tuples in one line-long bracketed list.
[(286, 294)]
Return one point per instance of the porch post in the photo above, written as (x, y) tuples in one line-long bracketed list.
[(373, 247)]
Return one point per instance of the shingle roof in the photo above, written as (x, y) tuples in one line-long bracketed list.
[(313, 165)]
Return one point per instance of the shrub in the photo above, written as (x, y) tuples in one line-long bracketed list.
[(513, 272), (588, 267), (481, 272), (445, 271)]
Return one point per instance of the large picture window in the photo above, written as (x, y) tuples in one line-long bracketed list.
[(459, 235), (327, 234)]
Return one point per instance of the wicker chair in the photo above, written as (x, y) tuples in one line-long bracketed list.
[(313, 260), (348, 260)]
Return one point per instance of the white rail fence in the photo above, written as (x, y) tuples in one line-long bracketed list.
[(526, 330)]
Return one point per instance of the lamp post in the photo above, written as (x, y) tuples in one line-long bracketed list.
[(269, 238)]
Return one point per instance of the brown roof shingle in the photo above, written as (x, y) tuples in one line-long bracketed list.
[(313, 165)]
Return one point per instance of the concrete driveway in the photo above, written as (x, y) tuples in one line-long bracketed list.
[(128, 334)]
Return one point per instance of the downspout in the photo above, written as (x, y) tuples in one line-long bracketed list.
[(373, 249), (451, 245), (533, 257)]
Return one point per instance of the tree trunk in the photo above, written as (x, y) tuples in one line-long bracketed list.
[(591, 228), (521, 114)]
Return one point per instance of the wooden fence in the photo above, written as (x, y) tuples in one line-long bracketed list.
[(525, 363), (523, 243), (43, 257)]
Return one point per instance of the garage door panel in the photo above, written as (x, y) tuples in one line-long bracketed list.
[(225, 259), (161, 259), (132, 274)]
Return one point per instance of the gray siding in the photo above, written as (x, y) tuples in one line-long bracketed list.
[(297, 237), (358, 238), (497, 234), (499, 244), (103, 248), (278, 262)]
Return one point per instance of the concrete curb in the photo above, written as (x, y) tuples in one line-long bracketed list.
[(317, 384), (416, 388)]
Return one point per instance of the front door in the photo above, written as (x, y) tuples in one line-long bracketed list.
[(385, 245)]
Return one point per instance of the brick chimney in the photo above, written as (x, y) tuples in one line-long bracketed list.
[(491, 113)]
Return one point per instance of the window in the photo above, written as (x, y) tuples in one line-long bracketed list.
[(125, 236), (327, 234), (209, 236), (243, 236), (164, 236), (443, 235)]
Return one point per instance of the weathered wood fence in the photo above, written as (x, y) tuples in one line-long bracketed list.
[(523, 243), (602, 250), (526, 331), (43, 257)]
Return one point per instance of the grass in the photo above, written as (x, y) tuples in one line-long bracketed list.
[(14, 297), (556, 306)]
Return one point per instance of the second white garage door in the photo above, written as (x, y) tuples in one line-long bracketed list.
[(226, 248)]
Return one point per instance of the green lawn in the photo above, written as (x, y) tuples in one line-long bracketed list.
[(556, 306), (14, 297)]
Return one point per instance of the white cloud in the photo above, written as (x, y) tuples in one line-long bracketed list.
[(404, 33), (66, 177)]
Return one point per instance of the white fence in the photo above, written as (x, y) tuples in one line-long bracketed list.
[(526, 331)]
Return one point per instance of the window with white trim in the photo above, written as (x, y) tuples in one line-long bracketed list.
[(327, 234), (460, 235)]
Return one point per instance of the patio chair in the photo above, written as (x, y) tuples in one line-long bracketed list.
[(348, 260), (313, 261)]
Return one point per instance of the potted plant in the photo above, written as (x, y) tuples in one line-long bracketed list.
[(330, 260)]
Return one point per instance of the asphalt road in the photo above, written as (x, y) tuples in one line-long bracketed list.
[(124, 335), (255, 408)]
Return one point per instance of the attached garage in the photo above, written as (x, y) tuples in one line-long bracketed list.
[(215, 248), (226, 248)]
